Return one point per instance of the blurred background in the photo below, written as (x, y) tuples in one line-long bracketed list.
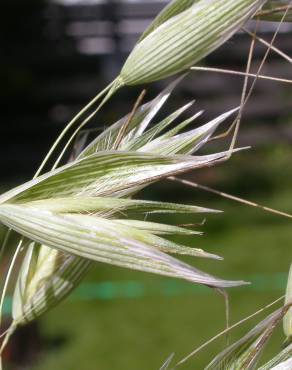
[(55, 56)]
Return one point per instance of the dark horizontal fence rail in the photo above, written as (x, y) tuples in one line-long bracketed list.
[(120, 21)]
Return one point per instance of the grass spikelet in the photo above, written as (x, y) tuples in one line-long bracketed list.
[(47, 276), (185, 39), (42, 285)]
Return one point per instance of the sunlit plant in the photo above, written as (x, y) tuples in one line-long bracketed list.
[(89, 210)]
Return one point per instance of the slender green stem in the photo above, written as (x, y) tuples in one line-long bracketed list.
[(9, 333), (8, 276), (69, 125), (114, 87), (3, 247)]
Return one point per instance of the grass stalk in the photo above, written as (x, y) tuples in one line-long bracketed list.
[(123, 129), (248, 95), (244, 91), (229, 196), (240, 73), (266, 43), (8, 277), (109, 90)]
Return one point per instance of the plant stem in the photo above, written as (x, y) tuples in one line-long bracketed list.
[(229, 196), (69, 125)]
